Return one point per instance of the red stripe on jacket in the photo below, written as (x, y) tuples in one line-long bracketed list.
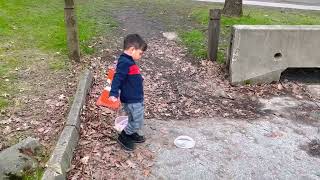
[(134, 69)]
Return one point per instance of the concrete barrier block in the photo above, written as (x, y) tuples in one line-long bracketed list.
[(259, 54), (79, 99), (62, 155), (60, 160)]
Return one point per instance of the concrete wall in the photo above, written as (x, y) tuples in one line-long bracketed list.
[(258, 54)]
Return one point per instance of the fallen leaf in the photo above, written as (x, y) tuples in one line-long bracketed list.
[(62, 96), (280, 87), (85, 160), (146, 172), (139, 157), (59, 104)]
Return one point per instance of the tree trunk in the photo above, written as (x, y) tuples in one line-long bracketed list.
[(72, 31), (232, 8)]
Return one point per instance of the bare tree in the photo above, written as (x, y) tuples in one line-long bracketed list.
[(232, 8)]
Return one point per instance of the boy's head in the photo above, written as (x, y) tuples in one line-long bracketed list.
[(134, 46)]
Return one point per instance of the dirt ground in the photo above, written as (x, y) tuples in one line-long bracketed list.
[(41, 102), (181, 91)]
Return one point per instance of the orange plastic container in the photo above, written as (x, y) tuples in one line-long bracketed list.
[(103, 100), (110, 75)]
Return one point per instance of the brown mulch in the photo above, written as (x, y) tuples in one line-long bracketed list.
[(177, 87)]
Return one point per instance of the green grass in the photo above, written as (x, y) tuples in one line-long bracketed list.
[(58, 65), (28, 175), (3, 103), (194, 40), (252, 16), (40, 23), (7, 79), (38, 26), (34, 175)]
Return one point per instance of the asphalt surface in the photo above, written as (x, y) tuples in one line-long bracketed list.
[(289, 4), (298, 2)]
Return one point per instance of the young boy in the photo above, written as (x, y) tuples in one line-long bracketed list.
[(129, 81)]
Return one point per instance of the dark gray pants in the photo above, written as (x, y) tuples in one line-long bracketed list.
[(135, 112)]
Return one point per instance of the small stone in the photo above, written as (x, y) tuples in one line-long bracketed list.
[(170, 35), (15, 159)]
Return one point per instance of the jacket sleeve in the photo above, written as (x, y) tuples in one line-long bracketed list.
[(121, 73)]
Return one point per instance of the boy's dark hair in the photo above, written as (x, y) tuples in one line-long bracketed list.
[(134, 40)]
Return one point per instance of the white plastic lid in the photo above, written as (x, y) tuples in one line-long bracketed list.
[(184, 142)]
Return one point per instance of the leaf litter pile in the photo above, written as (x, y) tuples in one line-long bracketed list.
[(176, 87)]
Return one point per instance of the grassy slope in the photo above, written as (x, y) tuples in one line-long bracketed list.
[(252, 16), (32, 30), (38, 26)]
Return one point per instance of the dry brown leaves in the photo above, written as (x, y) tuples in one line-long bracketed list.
[(175, 88), (98, 156)]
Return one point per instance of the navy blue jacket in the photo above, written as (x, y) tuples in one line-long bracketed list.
[(128, 80)]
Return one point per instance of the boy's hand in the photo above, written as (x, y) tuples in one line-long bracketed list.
[(113, 99)]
